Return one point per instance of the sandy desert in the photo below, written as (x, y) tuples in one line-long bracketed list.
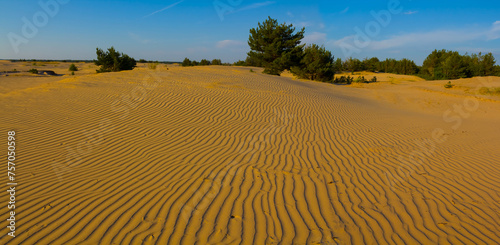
[(222, 155)]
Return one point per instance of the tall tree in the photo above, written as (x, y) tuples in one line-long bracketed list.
[(276, 46)]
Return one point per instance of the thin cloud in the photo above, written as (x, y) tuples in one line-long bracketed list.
[(410, 12), (230, 44), (137, 38), (432, 38), (252, 6), (345, 10), (163, 9), (315, 37)]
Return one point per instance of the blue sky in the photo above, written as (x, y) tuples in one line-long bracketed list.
[(172, 30)]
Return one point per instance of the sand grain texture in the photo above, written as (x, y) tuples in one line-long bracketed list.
[(219, 155)]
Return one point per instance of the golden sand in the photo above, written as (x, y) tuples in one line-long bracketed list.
[(221, 155)]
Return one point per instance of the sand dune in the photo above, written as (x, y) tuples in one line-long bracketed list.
[(220, 155)]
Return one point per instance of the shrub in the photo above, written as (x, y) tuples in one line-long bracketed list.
[(72, 73), (34, 71), (240, 63), (216, 62), (153, 65), (360, 79), (187, 62), (72, 67), (343, 80), (112, 61), (195, 63), (142, 61), (374, 79), (448, 85), (251, 70), (204, 62)]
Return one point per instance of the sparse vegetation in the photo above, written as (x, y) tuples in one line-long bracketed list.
[(448, 85), (343, 80), (153, 65), (72, 73), (216, 62), (73, 68), (34, 71), (490, 91), (112, 61)]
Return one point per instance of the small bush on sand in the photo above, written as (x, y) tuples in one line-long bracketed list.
[(489, 91), (153, 65), (448, 85), (343, 80), (72, 67), (360, 79), (34, 71)]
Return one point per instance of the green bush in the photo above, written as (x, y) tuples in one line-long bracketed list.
[(72, 73), (448, 85), (72, 67), (187, 62), (374, 79), (216, 62), (343, 80), (360, 79), (34, 71), (204, 62), (112, 61)]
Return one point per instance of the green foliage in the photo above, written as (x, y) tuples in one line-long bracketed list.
[(404, 66), (444, 64), (72, 67), (195, 63), (316, 64), (360, 79), (187, 62), (112, 61), (251, 70), (216, 62), (275, 46), (374, 79), (448, 85), (143, 61), (204, 62), (343, 80), (34, 71), (240, 63), (72, 73)]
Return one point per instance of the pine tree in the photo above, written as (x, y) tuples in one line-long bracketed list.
[(316, 64), (276, 46)]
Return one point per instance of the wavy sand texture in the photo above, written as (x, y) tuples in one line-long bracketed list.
[(220, 155)]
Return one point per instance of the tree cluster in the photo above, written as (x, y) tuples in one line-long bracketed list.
[(445, 64), (203, 62), (112, 61)]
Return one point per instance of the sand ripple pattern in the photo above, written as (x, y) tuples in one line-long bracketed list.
[(219, 155)]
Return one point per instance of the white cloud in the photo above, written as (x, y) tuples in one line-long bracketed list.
[(252, 6), (163, 9), (410, 12), (494, 32), (315, 37), (290, 14), (431, 38), (230, 44)]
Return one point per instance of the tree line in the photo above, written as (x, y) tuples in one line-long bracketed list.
[(277, 47)]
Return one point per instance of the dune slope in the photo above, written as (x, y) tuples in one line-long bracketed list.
[(219, 155)]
